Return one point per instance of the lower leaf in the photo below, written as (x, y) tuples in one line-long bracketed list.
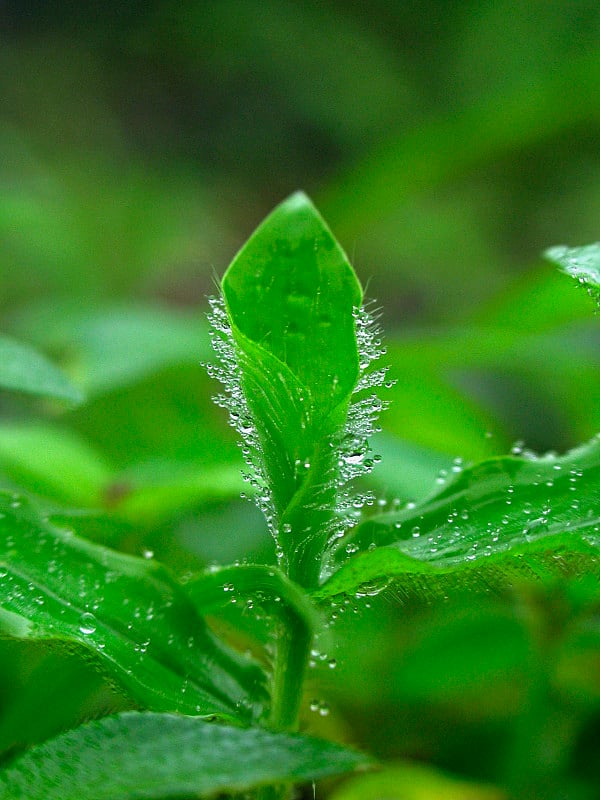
[(147, 756)]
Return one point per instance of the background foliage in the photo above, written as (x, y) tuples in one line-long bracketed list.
[(447, 145)]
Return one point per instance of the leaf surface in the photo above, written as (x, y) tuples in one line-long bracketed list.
[(135, 756), (129, 612), (290, 295), (502, 517), (23, 369)]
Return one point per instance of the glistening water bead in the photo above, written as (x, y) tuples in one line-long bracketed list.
[(87, 624)]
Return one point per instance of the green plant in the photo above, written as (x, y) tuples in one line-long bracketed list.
[(218, 661)]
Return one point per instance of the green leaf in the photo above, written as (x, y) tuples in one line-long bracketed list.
[(265, 586), (156, 491), (581, 263), (52, 462), (120, 346), (23, 369), (290, 296), (146, 756), (129, 612), (499, 519)]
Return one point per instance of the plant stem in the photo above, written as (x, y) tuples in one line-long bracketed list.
[(291, 658)]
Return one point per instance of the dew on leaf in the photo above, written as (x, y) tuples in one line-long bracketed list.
[(87, 624)]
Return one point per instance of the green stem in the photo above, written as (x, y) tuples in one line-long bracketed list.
[(289, 665), (291, 658)]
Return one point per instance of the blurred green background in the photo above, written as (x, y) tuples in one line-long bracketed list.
[(448, 144)]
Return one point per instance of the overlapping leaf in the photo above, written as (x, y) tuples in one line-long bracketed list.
[(127, 611), (505, 516), (151, 756)]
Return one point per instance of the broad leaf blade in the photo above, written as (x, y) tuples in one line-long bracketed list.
[(23, 369), (151, 756), (581, 263), (290, 296), (127, 611), (502, 517)]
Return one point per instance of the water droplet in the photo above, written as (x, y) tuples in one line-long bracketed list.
[(148, 554), (87, 624)]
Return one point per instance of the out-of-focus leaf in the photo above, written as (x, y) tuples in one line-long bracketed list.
[(150, 756), (504, 517), (52, 462), (581, 263), (537, 301), (44, 676), (129, 612), (436, 402), (406, 781), (407, 471), (149, 493), (120, 346), (23, 369)]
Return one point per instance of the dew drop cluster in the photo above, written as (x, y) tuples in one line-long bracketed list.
[(351, 452)]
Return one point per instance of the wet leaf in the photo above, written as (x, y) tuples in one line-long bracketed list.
[(151, 756), (265, 587), (290, 296), (502, 518), (128, 612)]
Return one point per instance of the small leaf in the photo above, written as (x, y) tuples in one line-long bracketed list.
[(129, 612), (581, 263), (23, 369), (265, 586), (135, 756), (499, 519)]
